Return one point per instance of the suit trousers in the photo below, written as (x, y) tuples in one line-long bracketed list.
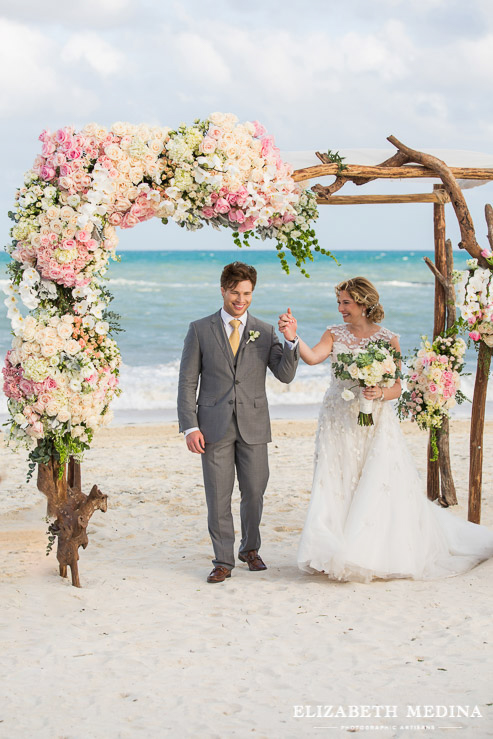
[(252, 468)]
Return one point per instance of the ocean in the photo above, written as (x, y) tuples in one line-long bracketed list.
[(158, 293)]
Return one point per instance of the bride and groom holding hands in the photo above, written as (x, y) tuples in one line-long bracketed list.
[(368, 516)]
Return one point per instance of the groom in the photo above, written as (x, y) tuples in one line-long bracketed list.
[(228, 423)]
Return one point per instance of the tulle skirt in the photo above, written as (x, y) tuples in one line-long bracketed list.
[(369, 516)]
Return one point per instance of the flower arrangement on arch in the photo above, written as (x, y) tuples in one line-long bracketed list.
[(375, 364), (433, 383), (474, 291), (62, 371)]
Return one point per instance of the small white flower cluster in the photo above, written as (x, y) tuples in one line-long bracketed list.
[(474, 292)]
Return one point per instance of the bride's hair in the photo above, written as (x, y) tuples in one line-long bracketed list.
[(365, 294)]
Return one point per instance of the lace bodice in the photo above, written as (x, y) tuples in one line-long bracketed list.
[(342, 335)]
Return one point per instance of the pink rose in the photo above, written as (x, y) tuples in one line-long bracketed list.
[(50, 384), (26, 387), (247, 226), (232, 197), (221, 206), (207, 145), (91, 245), (82, 236), (137, 211), (208, 212), (74, 153), (267, 145), (240, 216), (474, 335), (48, 148), (36, 430), (47, 173), (61, 135), (129, 221), (66, 170), (44, 135), (68, 244), (115, 219), (214, 132), (432, 387), (259, 129)]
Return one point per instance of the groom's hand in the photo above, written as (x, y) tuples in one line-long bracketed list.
[(288, 325), (196, 442)]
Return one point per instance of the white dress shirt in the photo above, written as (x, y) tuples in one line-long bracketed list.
[(226, 318)]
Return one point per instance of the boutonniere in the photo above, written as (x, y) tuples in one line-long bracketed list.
[(253, 336)]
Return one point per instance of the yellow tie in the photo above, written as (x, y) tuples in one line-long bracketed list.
[(234, 339)]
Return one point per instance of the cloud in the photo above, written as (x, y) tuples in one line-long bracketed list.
[(91, 48), (197, 58), (74, 14), (25, 77)]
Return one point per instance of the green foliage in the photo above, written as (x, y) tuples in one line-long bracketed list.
[(52, 533), (336, 158)]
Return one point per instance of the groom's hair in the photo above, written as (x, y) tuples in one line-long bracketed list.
[(236, 272)]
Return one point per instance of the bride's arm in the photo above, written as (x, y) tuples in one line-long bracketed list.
[(319, 352)]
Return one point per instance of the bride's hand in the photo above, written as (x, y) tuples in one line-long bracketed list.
[(373, 393)]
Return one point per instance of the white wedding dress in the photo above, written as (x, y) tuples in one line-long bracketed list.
[(369, 516)]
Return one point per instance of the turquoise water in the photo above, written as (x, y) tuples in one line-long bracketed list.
[(159, 293)]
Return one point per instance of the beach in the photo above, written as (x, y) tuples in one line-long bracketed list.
[(147, 648)]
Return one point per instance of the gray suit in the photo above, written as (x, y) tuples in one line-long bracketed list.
[(232, 412)]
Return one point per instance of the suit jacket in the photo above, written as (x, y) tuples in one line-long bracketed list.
[(230, 384)]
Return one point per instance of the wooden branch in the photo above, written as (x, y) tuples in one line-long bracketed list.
[(326, 192), (488, 213), (396, 160), (407, 171), (448, 177), (440, 196), (72, 509), (70, 528), (477, 428), (448, 495), (450, 288), (438, 275)]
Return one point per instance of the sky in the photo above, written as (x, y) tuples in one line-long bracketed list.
[(318, 75)]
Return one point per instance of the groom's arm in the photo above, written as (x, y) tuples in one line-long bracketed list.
[(283, 359), (190, 368)]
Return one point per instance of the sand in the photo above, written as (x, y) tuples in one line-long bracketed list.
[(148, 649)]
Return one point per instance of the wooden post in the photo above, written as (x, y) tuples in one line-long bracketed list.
[(477, 429), (433, 475)]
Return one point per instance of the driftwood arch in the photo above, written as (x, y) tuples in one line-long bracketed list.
[(409, 163)]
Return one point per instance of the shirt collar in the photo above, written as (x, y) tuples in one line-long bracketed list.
[(227, 318)]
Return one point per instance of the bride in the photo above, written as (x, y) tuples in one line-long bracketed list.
[(368, 515)]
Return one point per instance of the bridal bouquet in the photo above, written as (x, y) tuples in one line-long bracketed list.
[(375, 364), (433, 384)]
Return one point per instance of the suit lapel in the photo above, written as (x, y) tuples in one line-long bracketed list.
[(220, 334)]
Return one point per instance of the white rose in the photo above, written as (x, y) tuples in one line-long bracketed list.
[(102, 327), (63, 415), (347, 394), (64, 330), (72, 347)]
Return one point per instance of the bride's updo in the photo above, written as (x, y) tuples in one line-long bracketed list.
[(365, 294)]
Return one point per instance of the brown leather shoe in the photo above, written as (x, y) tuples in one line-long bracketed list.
[(219, 574), (253, 560)]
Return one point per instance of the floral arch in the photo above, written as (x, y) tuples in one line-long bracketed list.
[(62, 371)]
